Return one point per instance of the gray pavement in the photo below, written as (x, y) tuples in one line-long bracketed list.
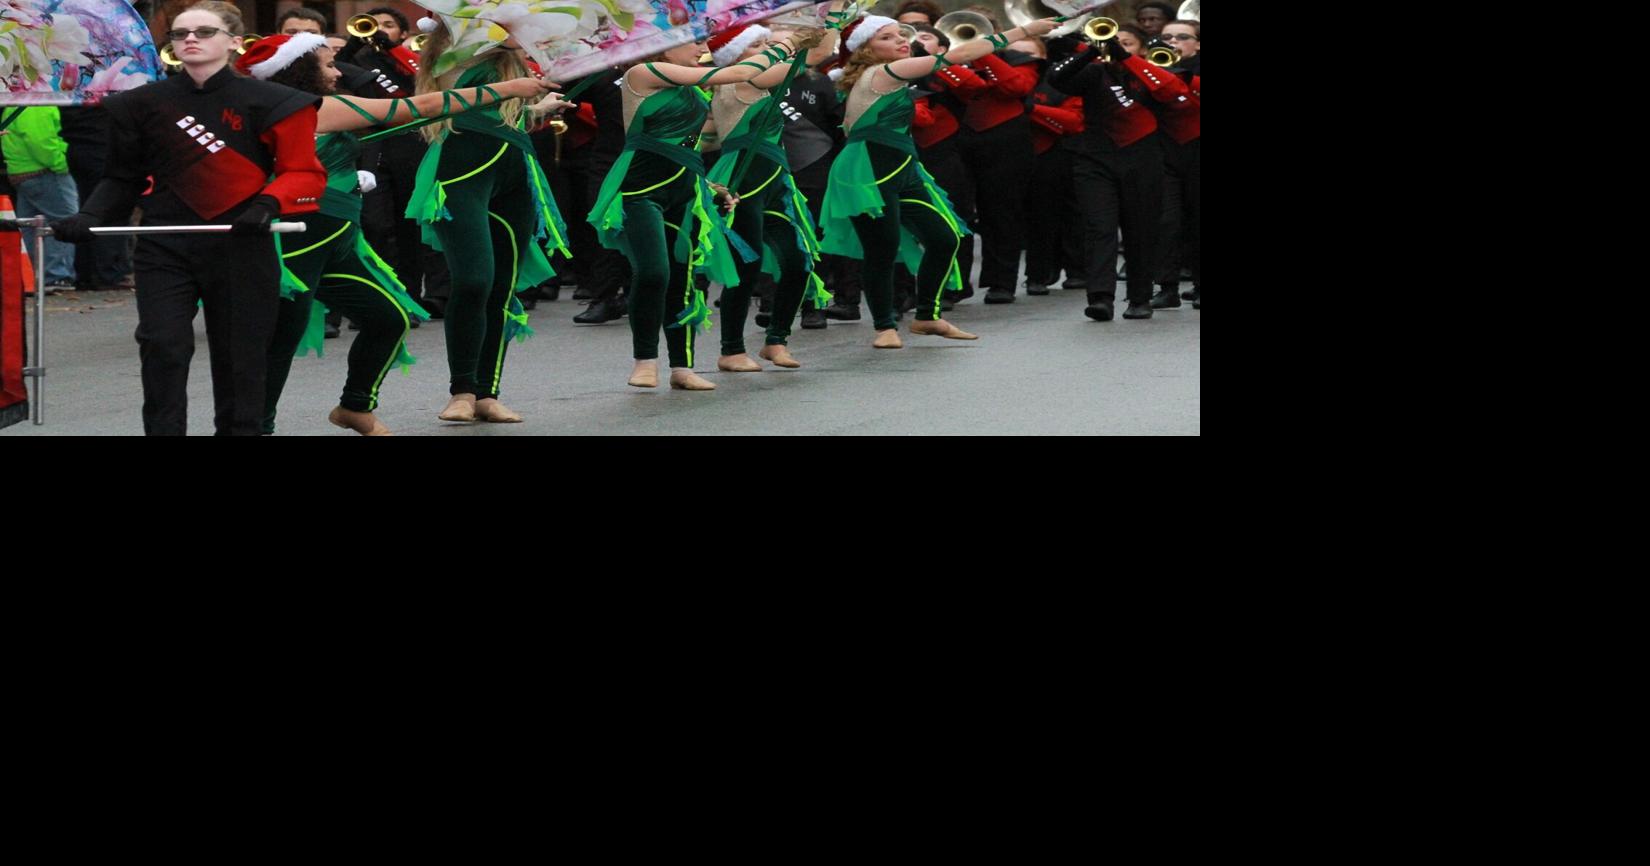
[(1040, 367)]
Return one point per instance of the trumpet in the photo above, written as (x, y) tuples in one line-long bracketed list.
[(1159, 53), (416, 43), (961, 27), (1100, 29), (362, 26), (247, 42), (169, 56)]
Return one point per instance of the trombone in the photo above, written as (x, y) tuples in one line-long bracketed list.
[(1160, 53), (362, 26)]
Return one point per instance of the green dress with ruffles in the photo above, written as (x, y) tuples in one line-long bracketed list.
[(663, 121), (429, 197), (340, 153), (766, 143), (853, 189)]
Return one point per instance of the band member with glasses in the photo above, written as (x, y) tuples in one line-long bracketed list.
[(221, 148)]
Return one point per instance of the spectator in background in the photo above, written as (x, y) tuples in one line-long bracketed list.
[(37, 164), (918, 12), (1153, 16)]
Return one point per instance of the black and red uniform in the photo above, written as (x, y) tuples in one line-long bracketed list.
[(593, 142), (211, 151), (1179, 118), (394, 162), (995, 146), (1117, 166), (1055, 235)]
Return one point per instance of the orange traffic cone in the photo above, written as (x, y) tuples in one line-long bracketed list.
[(8, 211)]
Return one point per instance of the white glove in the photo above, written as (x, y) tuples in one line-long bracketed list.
[(367, 181)]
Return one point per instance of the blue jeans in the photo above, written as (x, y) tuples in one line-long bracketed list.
[(54, 197)]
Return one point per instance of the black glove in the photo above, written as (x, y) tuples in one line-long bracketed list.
[(919, 50), (256, 218), (76, 229), (1115, 52)]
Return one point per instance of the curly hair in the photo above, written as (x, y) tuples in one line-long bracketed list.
[(304, 74), (858, 62)]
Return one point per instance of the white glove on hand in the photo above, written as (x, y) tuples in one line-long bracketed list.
[(367, 180)]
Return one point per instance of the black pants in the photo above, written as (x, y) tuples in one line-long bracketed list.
[(108, 260), (396, 239), (952, 175), (1181, 236), (1054, 242), (237, 281), (1120, 188), (907, 205), (575, 183), (840, 273), (999, 164)]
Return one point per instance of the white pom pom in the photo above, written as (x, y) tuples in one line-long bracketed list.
[(836, 74), (428, 24), (366, 180)]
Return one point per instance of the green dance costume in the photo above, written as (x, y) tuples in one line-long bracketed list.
[(656, 207), (772, 217), (484, 201), (881, 202), (334, 260)]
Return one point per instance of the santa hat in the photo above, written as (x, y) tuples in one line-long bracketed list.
[(272, 54), (854, 37), (727, 46)]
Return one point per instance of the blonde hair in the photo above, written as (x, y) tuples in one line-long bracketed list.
[(858, 62), (229, 12), (504, 61)]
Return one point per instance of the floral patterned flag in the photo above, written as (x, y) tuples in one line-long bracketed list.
[(72, 52), (572, 38)]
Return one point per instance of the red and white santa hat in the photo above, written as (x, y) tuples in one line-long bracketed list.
[(272, 54), (854, 37), (727, 46)]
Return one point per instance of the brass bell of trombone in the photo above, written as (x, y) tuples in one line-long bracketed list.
[(362, 26), (1100, 29)]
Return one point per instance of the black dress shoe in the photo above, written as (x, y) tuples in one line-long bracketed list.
[(436, 307), (999, 296), (1197, 304), (528, 303), (812, 320), (959, 297), (1138, 311), (1099, 311), (329, 331), (1190, 294), (601, 311), (1168, 299), (1038, 289), (842, 312), (412, 322), (583, 294), (905, 303)]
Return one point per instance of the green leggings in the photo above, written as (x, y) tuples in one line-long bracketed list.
[(332, 268), (761, 216), (660, 286), (905, 203), (492, 222)]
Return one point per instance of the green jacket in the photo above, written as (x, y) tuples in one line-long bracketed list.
[(34, 142)]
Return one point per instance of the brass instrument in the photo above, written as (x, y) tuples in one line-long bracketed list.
[(362, 26), (416, 43), (963, 27), (1191, 10), (247, 42), (169, 56), (1099, 30), (1160, 53)]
